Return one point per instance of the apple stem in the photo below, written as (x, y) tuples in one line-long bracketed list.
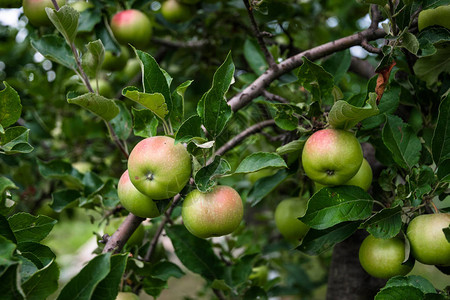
[(436, 210)]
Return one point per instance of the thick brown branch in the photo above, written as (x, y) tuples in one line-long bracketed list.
[(120, 237), (256, 88), (362, 68), (259, 37)]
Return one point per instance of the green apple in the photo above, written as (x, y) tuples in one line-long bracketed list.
[(113, 62), (255, 176), (135, 239), (158, 168), (428, 242), (382, 258), (81, 6), (132, 27), (132, 68), (127, 296), (435, 16), (331, 156), (104, 88), (175, 12), (216, 213), (34, 10), (363, 178), (134, 201), (286, 219)]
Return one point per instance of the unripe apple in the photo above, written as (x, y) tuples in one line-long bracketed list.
[(135, 239), (134, 201), (158, 168), (331, 156), (104, 88), (363, 178), (113, 62), (127, 296), (435, 16), (286, 219), (175, 12), (382, 258), (81, 6), (34, 10), (133, 27), (255, 176), (216, 213), (428, 242), (132, 68)]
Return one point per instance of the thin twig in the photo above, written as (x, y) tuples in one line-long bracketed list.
[(273, 97), (255, 89), (368, 47), (179, 44), (219, 294), (259, 37)]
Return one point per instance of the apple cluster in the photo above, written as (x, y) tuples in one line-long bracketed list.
[(159, 169)]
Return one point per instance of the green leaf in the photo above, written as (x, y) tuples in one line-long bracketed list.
[(409, 41), (108, 288), (213, 107), (265, 185), (55, 48), (338, 64), (154, 79), (318, 241), (145, 123), (315, 79), (43, 283), (9, 283), (65, 21), (163, 270), (89, 18), (5, 185), (39, 254), (58, 169), (260, 160), (402, 142), (406, 287), (93, 58), (15, 140), (92, 183), (191, 128), (205, 177), (177, 114), (82, 286), (122, 123), (104, 33), (443, 171), (10, 107), (154, 286), (29, 228), (98, 105), (294, 146), (333, 205), (154, 102), (241, 270), (5, 230), (388, 105), (385, 224), (7, 249), (440, 144), (379, 2), (431, 36), (254, 57), (429, 68), (196, 254), (345, 116)]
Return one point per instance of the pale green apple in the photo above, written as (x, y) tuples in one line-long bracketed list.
[(428, 242), (34, 10), (116, 62), (382, 258), (216, 213), (127, 296), (331, 156), (286, 219), (175, 12), (158, 168)]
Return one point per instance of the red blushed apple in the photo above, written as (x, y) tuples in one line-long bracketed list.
[(158, 168), (331, 156), (428, 242), (134, 201), (34, 10), (133, 27), (216, 213)]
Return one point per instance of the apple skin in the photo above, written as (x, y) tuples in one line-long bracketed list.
[(127, 296), (216, 213), (363, 178), (382, 258), (34, 10), (286, 215), (114, 62), (132, 68), (428, 242), (132, 26), (175, 12), (435, 16), (134, 201), (81, 6), (158, 168), (135, 239), (331, 156)]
